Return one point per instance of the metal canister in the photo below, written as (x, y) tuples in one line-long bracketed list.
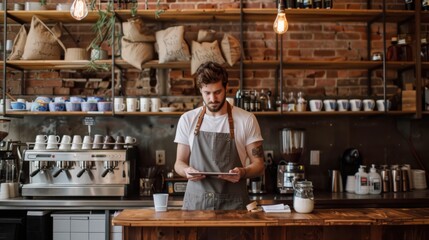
[(396, 180), (386, 178)]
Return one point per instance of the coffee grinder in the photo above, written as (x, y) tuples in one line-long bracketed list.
[(289, 170)]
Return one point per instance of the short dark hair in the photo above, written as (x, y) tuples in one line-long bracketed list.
[(211, 72)]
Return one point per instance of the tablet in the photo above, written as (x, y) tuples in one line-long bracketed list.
[(211, 173)]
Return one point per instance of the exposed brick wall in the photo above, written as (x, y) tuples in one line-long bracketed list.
[(304, 41)]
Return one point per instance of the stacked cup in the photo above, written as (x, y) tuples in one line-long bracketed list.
[(4, 191)]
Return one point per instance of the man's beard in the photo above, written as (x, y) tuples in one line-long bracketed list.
[(218, 108)]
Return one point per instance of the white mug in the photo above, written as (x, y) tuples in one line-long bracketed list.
[(130, 140), (383, 106), (65, 143), (118, 104), (343, 105), (40, 142), (53, 141), (144, 104), (76, 142), (368, 104), (330, 105), (155, 104), (87, 142), (132, 104), (355, 104), (316, 105)]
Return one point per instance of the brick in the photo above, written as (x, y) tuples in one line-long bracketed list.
[(43, 83), (61, 91), (39, 91)]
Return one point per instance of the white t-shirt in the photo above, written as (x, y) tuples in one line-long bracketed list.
[(246, 126)]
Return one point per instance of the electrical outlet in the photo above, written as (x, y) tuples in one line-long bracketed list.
[(160, 157), (314, 157), (267, 153)]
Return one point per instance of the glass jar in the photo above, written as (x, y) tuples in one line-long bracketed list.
[(303, 198)]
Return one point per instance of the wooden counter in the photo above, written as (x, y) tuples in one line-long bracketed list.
[(345, 224)]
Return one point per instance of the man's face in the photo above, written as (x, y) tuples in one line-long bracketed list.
[(214, 95)]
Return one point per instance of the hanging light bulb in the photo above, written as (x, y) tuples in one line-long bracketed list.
[(280, 24), (79, 9)]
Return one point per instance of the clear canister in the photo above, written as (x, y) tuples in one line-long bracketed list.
[(303, 197)]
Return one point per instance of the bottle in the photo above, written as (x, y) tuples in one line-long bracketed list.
[(361, 181), (252, 102), (374, 181), (406, 50), (303, 197), (307, 3), (393, 51), (257, 102), (317, 4), (238, 99), (284, 102), (270, 102), (301, 103), (327, 4), (425, 5), (424, 50), (291, 102), (289, 4), (409, 4), (263, 100), (299, 4)]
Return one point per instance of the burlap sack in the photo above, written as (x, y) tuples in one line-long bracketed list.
[(137, 53), (43, 43), (205, 52), (18, 44), (136, 31), (231, 49), (171, 45)]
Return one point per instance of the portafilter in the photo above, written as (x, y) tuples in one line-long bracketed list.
[(41, 166), (62, 166), (85, 166), (109, 166)]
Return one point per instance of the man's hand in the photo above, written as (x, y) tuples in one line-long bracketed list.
[(232, 178), (193, 177)]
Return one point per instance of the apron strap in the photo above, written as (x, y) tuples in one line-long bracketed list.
[(230, 121), (200, 121)]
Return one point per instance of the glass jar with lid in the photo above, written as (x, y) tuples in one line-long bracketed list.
[(303, 198)]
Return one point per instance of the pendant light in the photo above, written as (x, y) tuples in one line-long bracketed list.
[(79, 9), (280, 24)]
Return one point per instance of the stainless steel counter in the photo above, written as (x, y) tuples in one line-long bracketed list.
[(417, 198)]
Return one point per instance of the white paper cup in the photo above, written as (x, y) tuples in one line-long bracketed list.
[(4, 191), (160, 201)]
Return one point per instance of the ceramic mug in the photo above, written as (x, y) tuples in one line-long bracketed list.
[(368, 104), (18, 105), (330, 105), (144, 104), (132, 104), (155, 104), (343, 105), (316, 105), (383, 106), (118, 104), (355, 104)]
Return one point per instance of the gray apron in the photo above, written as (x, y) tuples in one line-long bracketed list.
[(215, 152)]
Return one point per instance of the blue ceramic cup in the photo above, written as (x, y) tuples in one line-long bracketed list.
[(18, 105), (57, 106), (104, 106), (89, 106), (73, 106)]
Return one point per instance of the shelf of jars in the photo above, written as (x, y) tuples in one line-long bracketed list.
[(262, 64), (233, 14)]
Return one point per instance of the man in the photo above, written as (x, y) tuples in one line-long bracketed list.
[(217, 137)]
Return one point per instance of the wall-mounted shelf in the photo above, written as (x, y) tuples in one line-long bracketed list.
[(263, 64)]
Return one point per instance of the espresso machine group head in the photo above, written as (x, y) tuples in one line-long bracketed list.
[(95, 173)]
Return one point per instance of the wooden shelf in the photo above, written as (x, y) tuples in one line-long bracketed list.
[(269, 64), (270, 113), (250, 14)]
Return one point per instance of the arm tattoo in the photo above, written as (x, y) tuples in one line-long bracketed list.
[(258, 151)]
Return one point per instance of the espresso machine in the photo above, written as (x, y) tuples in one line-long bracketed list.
[(288, 169), (83, 173), (10, 155)]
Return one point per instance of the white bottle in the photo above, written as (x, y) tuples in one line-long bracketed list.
[(374, 181), (361, 181)]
